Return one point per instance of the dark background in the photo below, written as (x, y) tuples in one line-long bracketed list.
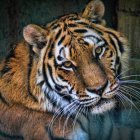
[(122, 15), (16, 14)]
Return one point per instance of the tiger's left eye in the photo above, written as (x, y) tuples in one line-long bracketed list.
[(67, 64), (98, 50)]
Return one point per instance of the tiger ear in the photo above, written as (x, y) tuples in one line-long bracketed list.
[(35, 36), (94, 11)]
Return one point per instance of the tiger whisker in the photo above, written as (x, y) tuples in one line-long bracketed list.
[(135, 88), (130, 82), (128, 92), (123, 73), (86, 112), (121, 97), (128, 76), (127, 99), (69, 108), (76, 116), (59, 112), (56, 114), (121, 100), (67, 118), (134, 92)]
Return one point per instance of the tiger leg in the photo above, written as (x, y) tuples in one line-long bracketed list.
[(17, 121)]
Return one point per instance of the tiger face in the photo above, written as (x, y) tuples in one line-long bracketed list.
[(78, 62)]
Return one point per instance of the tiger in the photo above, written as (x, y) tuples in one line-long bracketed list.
[(67, 68)]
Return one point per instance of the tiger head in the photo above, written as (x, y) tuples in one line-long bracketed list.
[(78, 60)]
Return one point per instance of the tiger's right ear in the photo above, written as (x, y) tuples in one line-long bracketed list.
[(35, 36), (94, 11)]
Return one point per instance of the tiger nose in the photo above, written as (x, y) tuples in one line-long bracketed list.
[(98, 90)]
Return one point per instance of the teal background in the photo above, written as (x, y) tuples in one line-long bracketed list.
[(16, 14)]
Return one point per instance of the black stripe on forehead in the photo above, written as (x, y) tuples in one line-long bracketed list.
[(80, 30), (58, 34), (55, 26), (94, 29), (60, 55), (72, 25), (82, 23), (50, 54), (61, 40), (60, 51), (121, 48)]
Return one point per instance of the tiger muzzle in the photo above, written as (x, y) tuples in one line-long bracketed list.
[(99, 89)]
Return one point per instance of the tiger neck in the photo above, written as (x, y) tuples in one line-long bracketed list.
[(35, 89), (18, 84)]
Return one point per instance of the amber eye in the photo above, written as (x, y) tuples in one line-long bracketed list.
[(81, 41), (98, 50), (67, 64)]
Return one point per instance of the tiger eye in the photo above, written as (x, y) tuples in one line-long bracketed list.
[(81, 41), (98, 50), (67, 64)]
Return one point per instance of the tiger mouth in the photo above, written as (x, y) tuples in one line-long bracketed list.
[(92, 104), (99, 107), (109, 96)]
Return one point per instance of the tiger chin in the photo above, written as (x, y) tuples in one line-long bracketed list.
[(69, 67)]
